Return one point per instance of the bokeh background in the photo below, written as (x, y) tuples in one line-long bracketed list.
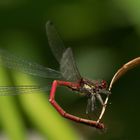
[(103, 35)]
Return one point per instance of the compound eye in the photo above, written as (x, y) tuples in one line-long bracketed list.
[(104, 84)]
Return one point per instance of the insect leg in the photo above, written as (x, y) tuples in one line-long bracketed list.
[(98, 96), (88, 105), (103, 91), (93, 102)]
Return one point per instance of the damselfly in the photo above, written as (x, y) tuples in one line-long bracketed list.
[(69, 75)]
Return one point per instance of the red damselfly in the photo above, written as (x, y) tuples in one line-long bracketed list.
[(69, 75)]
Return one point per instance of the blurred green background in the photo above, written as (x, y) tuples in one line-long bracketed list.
[(103, 35)]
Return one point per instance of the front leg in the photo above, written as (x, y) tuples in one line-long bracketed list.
[(103, 91)]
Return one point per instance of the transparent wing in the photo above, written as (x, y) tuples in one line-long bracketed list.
[(11, 90), (17, 63), (68, 67), (55, 42), (64, 56)]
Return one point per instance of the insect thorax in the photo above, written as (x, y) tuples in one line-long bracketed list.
[(88, 87)]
